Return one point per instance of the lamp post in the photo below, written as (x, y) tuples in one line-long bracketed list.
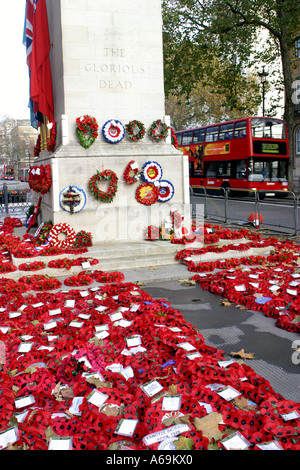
[(263, 78)]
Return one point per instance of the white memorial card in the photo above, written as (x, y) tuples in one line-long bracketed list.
[(152, 388), (126, 427), (97, 398)]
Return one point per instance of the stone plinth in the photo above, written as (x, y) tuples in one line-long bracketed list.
[(123, 218)]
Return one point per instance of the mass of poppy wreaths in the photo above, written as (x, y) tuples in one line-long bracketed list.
[(268, 283), (111, 368)]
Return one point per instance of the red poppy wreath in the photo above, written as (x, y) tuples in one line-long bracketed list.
[(106, 175), (147, 194), (65, 229), (130, 174), (40, 178)]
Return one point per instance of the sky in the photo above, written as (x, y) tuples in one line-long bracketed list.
[(14, 81)]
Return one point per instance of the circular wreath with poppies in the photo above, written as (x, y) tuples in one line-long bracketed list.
[(67, 230), (72, 199), (135, 130), (166, 191), (147, 194), (158, 131), (86, 130), (106, 175)]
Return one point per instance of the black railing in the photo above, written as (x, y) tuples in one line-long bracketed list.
[(227, 211), (12, 197)]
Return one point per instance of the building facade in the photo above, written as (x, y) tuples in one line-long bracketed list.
[(23, 138), (17, 141), (6, 125)]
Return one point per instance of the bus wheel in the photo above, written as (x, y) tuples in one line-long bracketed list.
[(226, 186)]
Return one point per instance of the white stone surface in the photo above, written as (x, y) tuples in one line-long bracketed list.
[(107, 62), (112, 60), (123, 218)]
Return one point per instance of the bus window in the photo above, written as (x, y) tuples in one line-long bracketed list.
[(241, 169), (267, 128), (187, 138), (178, 137), (226, 132), (212, 134), (274, 170), (240, 130), (199, 136), (279, 170), (223, 169), (260, 170), (211, 170), (283, 170)]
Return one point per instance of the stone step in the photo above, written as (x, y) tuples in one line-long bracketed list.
[(118, 257), (115, 251), (137, 262)]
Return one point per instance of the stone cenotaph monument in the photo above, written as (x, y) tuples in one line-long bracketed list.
[(107, 63)]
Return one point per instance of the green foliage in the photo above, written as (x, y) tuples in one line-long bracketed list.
[(217, 40), (200, 35)]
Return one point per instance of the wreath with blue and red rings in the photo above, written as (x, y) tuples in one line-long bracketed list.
[(166, 191), (151, 172)]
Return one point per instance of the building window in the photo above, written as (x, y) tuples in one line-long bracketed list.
[(298, 141), (297, 48)]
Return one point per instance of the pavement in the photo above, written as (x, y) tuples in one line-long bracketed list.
[(228, 328)]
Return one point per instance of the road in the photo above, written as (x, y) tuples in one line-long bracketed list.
[(280, 215), (14, 183)]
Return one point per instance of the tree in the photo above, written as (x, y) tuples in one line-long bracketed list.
[(194, 29), (209, 103)]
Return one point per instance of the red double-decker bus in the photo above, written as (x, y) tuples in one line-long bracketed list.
[(244, 154), (7, 172)]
